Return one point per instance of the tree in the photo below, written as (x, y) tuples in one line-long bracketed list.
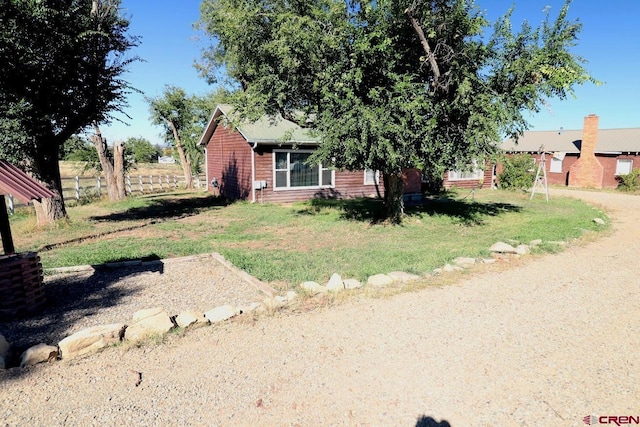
[(112, 164), (61, 64), (184, 118), (391, 84), (141, 150)]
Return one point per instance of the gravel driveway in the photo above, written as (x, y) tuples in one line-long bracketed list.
[(544, 343)]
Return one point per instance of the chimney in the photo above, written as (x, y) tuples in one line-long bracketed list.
[(587, 172)]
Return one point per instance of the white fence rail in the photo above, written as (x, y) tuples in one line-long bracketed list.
[(77, 188)]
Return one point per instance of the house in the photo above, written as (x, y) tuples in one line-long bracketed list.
[(264, 161), (586, 158)]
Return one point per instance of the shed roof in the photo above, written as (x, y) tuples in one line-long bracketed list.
[(265, 130), (17, 183), (569, 141)]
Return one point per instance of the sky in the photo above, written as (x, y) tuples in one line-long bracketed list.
[(170, 45)]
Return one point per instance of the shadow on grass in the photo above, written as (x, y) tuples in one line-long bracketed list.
[(72, 300), (372, 210), (165, 208)]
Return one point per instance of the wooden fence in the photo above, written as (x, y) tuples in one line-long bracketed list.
[(77, 188)]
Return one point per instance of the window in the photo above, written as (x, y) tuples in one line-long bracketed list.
[(459, 175), (624, 166), (291, 171), (556, 165), (371, 177)]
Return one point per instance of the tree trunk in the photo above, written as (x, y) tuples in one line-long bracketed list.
[(47, 169), (184, 160), (118, 168), (393, 197), (100, 144)]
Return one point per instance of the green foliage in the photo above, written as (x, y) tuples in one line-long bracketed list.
[(359, 72), (141, 150), (61, 67), (629, 182), (518, 172)]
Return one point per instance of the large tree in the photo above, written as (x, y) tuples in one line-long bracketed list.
[(183, 118), (391, 84), (61, 67)]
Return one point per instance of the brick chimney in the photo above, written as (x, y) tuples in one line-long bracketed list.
[(587, 172)]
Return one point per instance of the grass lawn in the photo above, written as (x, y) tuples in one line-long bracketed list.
[(303, 241)]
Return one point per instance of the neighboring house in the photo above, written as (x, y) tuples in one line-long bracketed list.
[(264, 161), (586, 158), (166, 159)]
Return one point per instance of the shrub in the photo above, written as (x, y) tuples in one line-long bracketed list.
[(630, 181), (517, 173)]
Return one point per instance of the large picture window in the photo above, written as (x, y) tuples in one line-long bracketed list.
[(460, 175), (291, 171)]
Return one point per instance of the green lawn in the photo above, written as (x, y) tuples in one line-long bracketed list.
[(305, 241)]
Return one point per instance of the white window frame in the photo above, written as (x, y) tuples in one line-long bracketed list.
[(624, 170), (474, 175), (321, 169), (368, 180), (555, 166)]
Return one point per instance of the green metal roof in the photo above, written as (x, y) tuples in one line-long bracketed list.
[(266, 130)]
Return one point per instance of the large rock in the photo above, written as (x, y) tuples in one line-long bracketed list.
[(90, 340), (352, 284), (401, 276), (220, 314), (191, 317), (313, 288), (148, 323), (523, 250), (379, 280), (4, 347), (38, 354), (503, 248), (335, 283)]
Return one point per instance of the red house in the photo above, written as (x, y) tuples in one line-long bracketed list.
[(264, 161), (586, 158)]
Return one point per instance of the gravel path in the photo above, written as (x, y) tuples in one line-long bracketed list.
[(544, 343)]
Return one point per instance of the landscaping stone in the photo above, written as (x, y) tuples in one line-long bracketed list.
[(313, 288), (488, 260), (147, 323), (448, 268), (503, 248), (352, 284), (90, 340), (335, 283), (401, 276), (523, 250), (291, 295), (190, 317), (38, 354), (220, 314), (250, 308), (464, 262), (379, 280), (536, 242), (599, 221)]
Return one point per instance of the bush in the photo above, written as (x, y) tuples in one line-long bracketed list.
[(518, 172), (630, 181)]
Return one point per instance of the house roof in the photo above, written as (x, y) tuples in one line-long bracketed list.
[(569, 141), (17, 183), (266, 130)]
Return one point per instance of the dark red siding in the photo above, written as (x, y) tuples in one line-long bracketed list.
[(229, 162), (485, 182)]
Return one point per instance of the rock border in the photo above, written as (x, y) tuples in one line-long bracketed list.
[(155, 322)]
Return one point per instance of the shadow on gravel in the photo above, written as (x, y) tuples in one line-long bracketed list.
[(160, 209), (70, 299), (424, 421)]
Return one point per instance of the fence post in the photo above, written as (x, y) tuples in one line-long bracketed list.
[(129, 184), (175, 181), (141, 184), (77, 187), (197, 181), (11, 207), (151, 183), (99, 186)]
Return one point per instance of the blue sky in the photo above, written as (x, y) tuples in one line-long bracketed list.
[(609, 41)]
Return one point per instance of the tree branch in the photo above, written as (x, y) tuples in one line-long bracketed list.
[(425, 45)]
